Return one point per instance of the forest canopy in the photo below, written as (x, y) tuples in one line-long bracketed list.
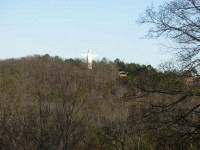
[(49, 102)]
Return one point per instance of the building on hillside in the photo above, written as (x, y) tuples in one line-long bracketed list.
[(123, 74), (192, 80)]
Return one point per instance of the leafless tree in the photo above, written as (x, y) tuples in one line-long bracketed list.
[(179, 22)]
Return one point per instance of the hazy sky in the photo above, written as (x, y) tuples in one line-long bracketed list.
[(68, 28)]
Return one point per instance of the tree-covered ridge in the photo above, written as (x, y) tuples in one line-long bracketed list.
[(49, 102), (168, 102), (53, 103)]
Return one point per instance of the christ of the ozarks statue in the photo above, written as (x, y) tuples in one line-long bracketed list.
[(89, 56)]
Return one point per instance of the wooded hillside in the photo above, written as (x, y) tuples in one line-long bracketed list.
[(51, 103)]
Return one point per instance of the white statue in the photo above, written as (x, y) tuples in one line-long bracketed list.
[(89, 56)]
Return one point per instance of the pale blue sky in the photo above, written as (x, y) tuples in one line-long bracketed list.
[(68, 28)]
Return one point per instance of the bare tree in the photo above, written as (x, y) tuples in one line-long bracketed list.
[(179, 22)]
